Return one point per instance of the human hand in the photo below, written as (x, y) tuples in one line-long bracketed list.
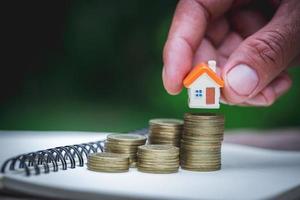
[(252, 51)]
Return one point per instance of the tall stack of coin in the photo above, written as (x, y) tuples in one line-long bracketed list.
[(158, 158), (201, 142), (108, 162), (125, 144), (165, 131)]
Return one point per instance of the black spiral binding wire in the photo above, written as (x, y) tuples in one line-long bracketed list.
[(63, 157)]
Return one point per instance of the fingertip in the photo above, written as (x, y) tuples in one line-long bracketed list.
[(172, 90), (177, 58), (260, 100), (173, 93), (224, 101), (282, 84), (270, 93), (172, 87), (229, 93)]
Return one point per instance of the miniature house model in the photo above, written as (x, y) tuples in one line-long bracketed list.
[(204, 86)]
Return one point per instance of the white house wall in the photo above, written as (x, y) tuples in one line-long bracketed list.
[(203, 82)]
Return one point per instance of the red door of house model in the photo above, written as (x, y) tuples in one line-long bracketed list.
[(210, 95)]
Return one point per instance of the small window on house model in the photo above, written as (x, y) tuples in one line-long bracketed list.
[(198, 93)]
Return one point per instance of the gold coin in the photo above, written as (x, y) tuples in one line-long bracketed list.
[(107, 156), (166, 122), (157, 171), (159, 148), (109, 170), (108, 162), (127, 138), (201, 141), (202, 169), (158, 158), (165, 131)]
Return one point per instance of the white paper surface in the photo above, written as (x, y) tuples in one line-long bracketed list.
[(247, 173)]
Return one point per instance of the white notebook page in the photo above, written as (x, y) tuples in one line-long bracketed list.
[(247, 173)]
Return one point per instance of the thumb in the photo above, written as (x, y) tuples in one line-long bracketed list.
[(263, 56)]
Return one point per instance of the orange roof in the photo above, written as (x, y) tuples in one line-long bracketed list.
[(198, 71)]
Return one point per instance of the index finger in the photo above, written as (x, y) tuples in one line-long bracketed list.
[(187, 30)]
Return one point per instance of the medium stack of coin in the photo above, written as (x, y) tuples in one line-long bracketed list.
[(158, 158), (125, 144), (201, 142), (108, 162), (165, 131)]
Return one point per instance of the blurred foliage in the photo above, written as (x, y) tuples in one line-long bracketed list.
[(107, 76)]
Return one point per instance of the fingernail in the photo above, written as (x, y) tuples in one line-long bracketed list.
[(242, 79), (171, 88)]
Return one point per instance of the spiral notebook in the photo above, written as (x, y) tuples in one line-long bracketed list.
[(60, 173)]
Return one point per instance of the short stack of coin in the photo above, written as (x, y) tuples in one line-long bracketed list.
[(165, 131), (125, 144), (108, 162), (158, 158), (201, 142)]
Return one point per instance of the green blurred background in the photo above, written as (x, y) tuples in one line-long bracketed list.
[(96, 66)]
